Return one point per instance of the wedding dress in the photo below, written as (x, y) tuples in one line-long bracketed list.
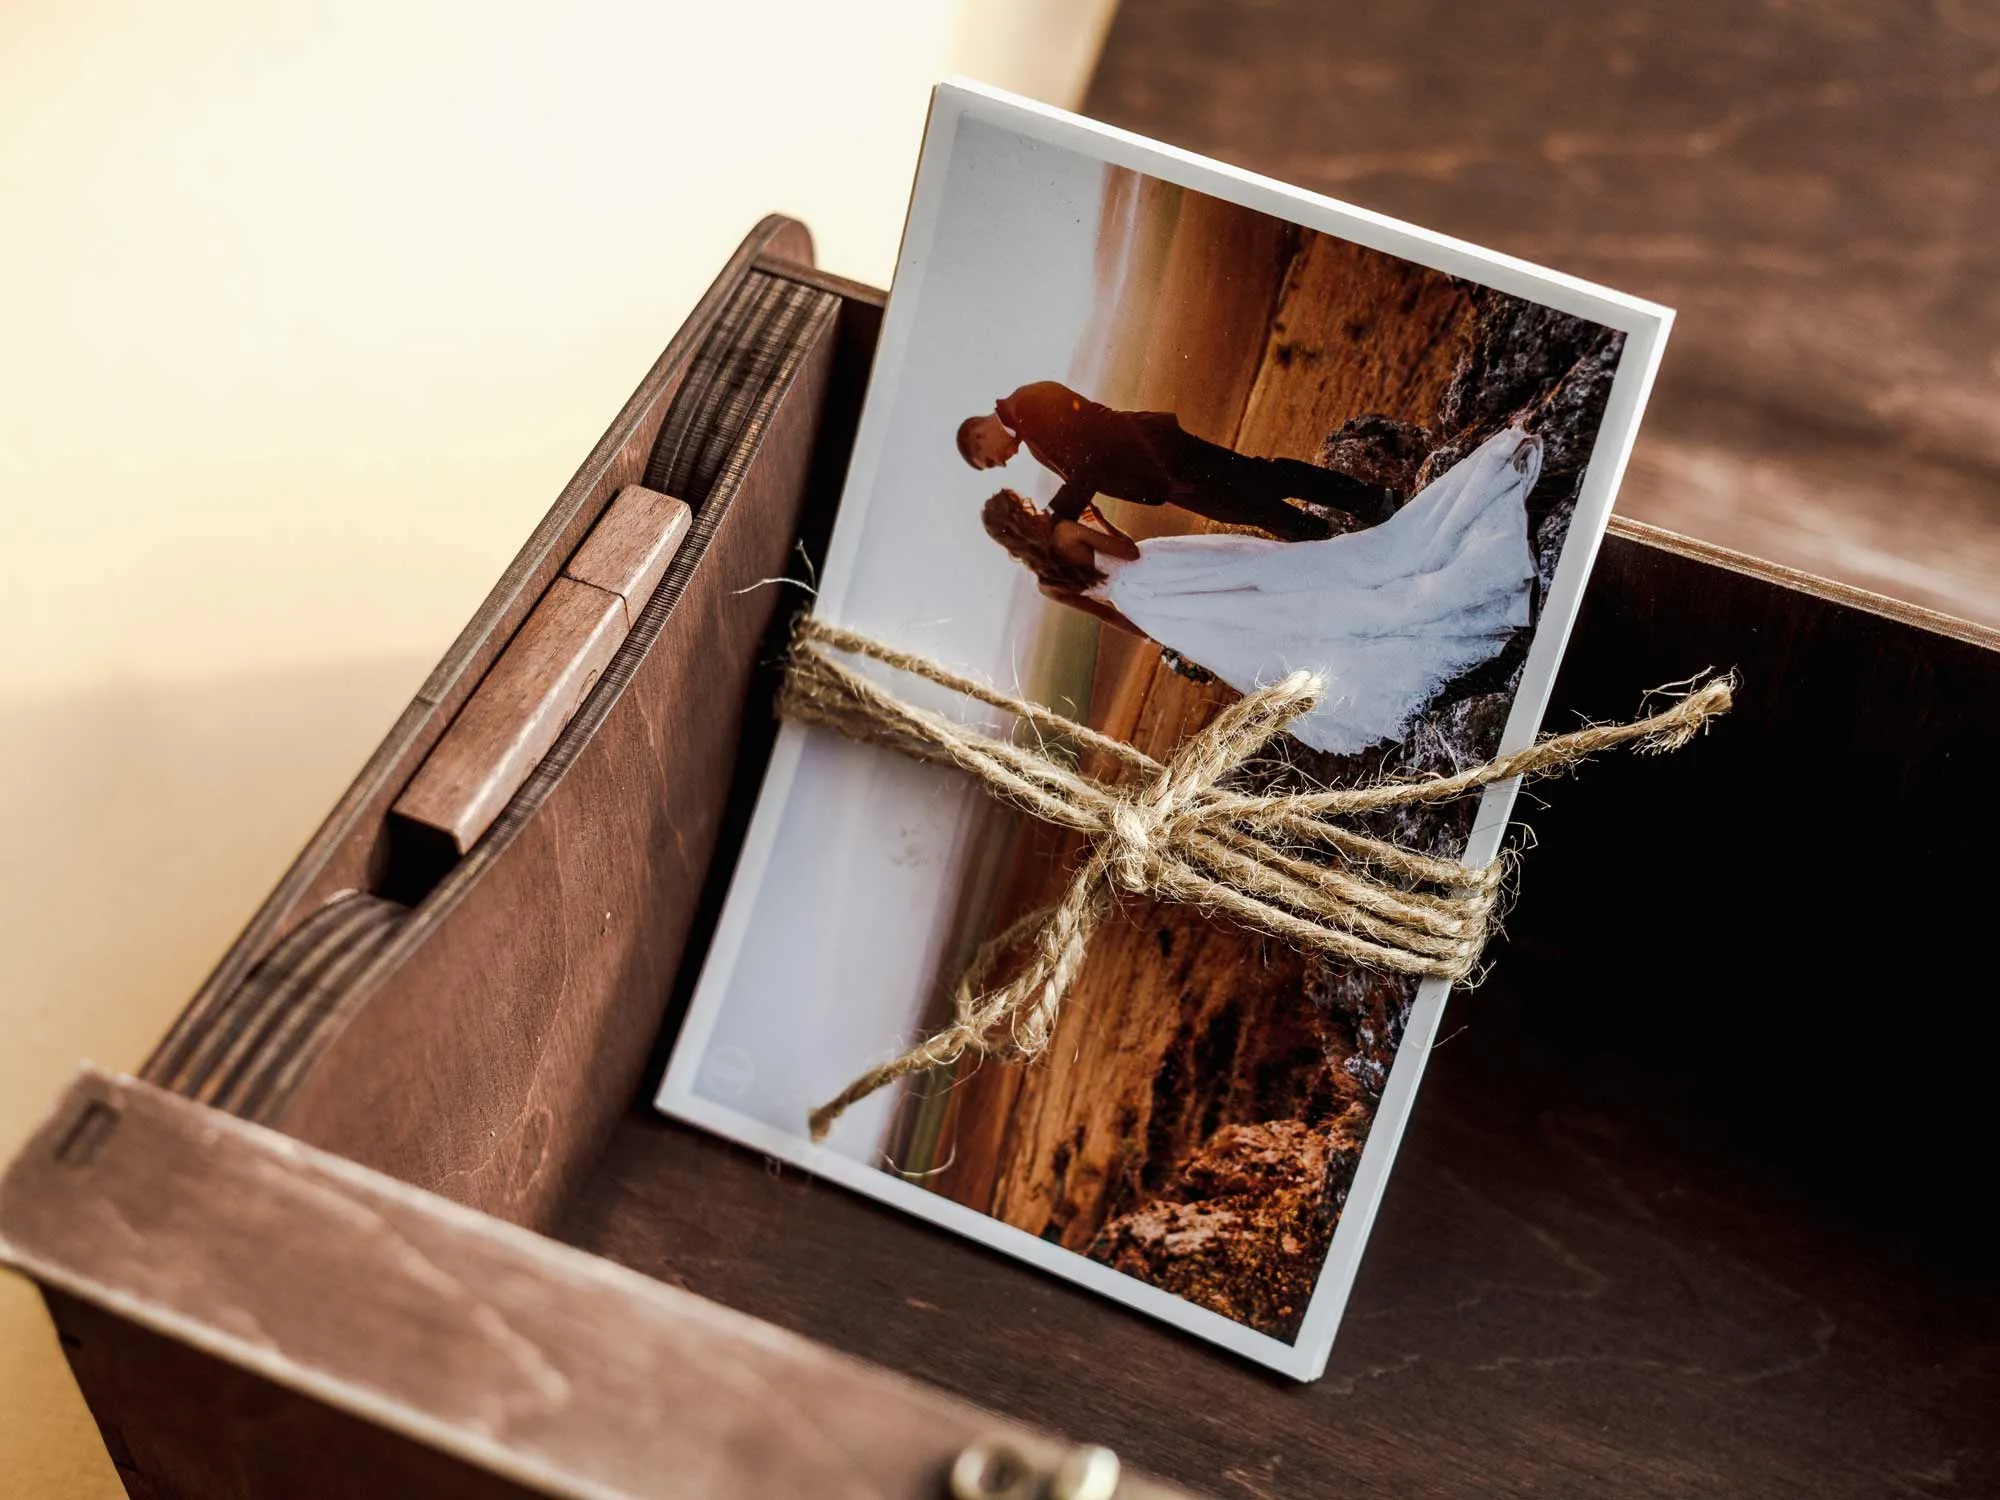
[(1385, 616)]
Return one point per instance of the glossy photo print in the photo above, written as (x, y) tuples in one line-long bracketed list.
[(1145, 434)]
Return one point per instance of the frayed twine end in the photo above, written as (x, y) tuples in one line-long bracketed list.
[(1691, 712)]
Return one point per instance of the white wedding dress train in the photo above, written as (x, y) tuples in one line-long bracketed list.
[(1385, 616)]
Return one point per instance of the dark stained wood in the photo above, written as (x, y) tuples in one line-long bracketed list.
[(629, 548), (522, 705), (1688, 1205), (857, 294), (1811, 186), (1785, 909), (1562, 1297), (204, 1428), (346, 852), (523, 992), (1795, 580), (261, 1319), (524, 995)]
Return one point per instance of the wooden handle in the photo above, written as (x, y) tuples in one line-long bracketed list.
[(250, 1298)]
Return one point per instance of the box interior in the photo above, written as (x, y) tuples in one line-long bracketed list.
[(1689, 1198)]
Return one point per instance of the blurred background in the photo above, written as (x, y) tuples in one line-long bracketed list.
[(307, 311)]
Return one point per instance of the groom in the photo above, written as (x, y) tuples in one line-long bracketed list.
[(1145, 457)]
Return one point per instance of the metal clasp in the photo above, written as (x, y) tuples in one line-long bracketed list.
[(995, 1471)]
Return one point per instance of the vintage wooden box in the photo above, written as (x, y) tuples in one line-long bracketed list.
[(1692, 1203)]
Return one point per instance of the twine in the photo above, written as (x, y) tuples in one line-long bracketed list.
[(1172, 831)]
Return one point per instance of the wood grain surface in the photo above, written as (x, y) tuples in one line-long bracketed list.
[(1688, 1205), (628, 550), (268, 1320), (347, 851), (521, 983), (1809, 185), (530, 694), (522, 998), (518, 710)]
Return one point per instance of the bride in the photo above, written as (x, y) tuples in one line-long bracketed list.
[(1385, 616)]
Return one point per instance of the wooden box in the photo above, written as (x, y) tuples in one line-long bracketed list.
[(1691, 1204)]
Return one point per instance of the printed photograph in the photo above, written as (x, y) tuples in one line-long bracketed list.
[(1133, 450)]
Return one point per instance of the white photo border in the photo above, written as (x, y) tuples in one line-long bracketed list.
[(1645, 326)]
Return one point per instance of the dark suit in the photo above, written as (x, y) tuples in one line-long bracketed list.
[(1145, 457)]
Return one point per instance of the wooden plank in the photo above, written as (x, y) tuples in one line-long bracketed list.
[(628, 550), (778, 263), (1826, 845), (1794, 580), (1568, 1293), (213, 1430), (514, 716), (371, 1339)]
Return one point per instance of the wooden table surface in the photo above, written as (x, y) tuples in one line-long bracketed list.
[(1815, 188)]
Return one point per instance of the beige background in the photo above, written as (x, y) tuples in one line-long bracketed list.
[(309, 311)]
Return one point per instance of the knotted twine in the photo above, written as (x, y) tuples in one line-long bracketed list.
[(1172, 831)]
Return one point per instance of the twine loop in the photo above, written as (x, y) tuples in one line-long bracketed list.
[(1142, 830), (1278, 863)]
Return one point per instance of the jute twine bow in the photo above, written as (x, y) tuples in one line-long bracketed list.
[(1172, 831)]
